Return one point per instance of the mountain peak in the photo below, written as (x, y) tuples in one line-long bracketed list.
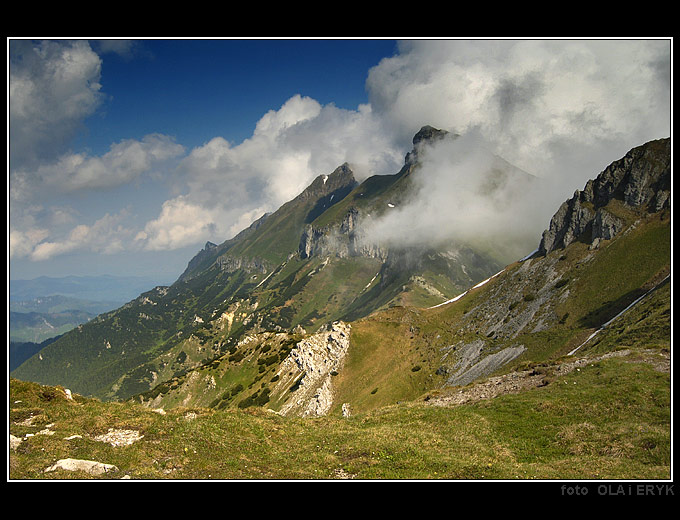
[(428, 133), (341, 178), (641, 179)]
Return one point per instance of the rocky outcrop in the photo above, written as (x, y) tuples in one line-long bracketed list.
[(88, 466), (230, 264), (640, 180), (307, 372), (475, 367), (344, 241)]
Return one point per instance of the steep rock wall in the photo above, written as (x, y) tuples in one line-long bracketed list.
[(641, 179)]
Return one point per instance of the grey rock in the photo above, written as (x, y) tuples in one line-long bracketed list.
[(641, 179), (605, 225), (485, 366), (88, 466)]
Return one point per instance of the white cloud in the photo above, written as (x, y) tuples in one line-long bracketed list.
[(123, 163), (106, 236), (53, 87), (539, 103), (180, 223), (23, 242), (465, 195)]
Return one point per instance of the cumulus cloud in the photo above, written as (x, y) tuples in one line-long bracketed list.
[(123, 163), (106, 236), (23, 242), (229, 186), (53, 87), (539, 103)]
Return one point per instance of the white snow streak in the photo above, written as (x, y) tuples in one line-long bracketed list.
[(605, 325), (463, 294)]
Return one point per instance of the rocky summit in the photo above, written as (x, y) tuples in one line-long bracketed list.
[(640, 179)]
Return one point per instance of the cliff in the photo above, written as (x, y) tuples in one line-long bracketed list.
[(641, 179)]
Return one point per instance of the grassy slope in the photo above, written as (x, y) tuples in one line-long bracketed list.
[(611, 420), (387, 346), (608, 420)]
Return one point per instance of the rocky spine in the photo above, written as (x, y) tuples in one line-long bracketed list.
[(640, 179)]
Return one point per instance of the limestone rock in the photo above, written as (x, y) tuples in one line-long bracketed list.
[(88, 466), (14, 442), (310, 366), (119, 437), (605, 225)]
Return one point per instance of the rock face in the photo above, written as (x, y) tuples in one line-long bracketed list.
[(250, 265), (309, 368), (641, 179), (345, 241)]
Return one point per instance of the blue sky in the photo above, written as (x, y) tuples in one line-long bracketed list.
[(199, 89), (127, 156)]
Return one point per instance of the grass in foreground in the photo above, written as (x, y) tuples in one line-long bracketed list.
[(610, 420)]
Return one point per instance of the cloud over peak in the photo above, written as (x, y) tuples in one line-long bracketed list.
[(559, 109)]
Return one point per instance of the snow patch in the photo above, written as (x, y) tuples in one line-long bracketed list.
[(463, 294), (605, 325), (529, 255)]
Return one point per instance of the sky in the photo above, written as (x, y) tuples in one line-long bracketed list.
[(125, 157)]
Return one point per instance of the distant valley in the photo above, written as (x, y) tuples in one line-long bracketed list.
[(44, 308)]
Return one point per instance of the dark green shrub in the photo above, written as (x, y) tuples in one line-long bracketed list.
[(562, 283), (238, 356)]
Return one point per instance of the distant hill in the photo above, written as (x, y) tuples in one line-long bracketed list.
[(47, 307), (104, 288), (38, 326), (20, 351)]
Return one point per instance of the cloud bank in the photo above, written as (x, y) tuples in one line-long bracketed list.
[(561, 110)]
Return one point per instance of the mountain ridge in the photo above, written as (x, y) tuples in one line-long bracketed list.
[(240, 310), (553, 366)]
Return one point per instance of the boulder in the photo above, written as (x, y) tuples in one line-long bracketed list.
[(88, 466)]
